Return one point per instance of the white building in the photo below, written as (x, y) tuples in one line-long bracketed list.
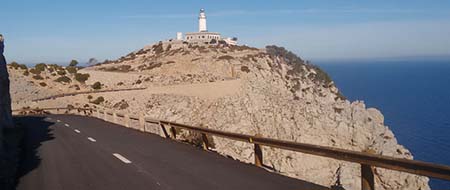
[(203, 36)]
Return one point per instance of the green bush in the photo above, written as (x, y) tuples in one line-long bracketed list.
[(97, 86), (43, 84), (64, 79), (14, 65), (61, 72), (72, 69), (35, 71), (226, 57), (89, 97), (26, 73), (40, 67), (98, 101), (73, 63), (245, 69), (81, 77), (38, 77)]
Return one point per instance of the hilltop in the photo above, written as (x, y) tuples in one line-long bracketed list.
[(269, 92)]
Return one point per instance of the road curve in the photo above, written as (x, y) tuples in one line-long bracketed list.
[(75, 152)]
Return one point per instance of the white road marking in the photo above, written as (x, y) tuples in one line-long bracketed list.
[(58, 120), (92, 139), (121, 158), (78, 131), (67, 125)]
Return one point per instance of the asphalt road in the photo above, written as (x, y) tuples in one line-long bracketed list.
[(65, 152)]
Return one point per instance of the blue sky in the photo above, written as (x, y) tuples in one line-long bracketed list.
[(60, 30)]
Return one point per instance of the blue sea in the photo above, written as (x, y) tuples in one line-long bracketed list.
[(414, 97)]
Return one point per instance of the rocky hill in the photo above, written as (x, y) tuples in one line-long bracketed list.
[(269, 92)]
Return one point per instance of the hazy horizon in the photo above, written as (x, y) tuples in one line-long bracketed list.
[(56, 32)]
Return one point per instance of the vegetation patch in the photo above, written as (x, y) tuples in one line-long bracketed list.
[(98, 101), (82, 78), (35, 71), (72, 69), (226, 57), (38, 77), (121, 105), (245, 69), (63, 79), (97, 86)]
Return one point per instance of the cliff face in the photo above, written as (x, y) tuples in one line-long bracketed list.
[(5, 98), (270, 92)]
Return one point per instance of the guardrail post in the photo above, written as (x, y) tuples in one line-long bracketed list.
[(205, 141), (127, 120), (164, 130), (174, 132), (142, 122), (258, 155), (367, 180), (105, 115), (115, 117)]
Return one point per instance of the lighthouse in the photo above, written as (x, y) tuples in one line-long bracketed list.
[(202, 21)]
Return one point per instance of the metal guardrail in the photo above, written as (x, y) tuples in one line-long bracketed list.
[(367, 160)]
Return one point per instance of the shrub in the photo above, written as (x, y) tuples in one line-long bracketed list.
[(40, 67), (99, 100), (97, 85), (158, 48), (14, 65), (26, 73), (89, 97), (38, 77), (245, 69), (35, 71), (71, 69), (81, 77), (64, 79), (73, 63), (226, 57), (61, 72), (43, 84), (138, 81)]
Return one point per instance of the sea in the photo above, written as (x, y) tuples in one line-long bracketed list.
[(414, 97)]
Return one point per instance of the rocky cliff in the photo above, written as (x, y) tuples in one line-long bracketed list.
[(5, 98), (8, 148), (271, 92)]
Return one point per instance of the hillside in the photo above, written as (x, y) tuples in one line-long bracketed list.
[(269, 92)]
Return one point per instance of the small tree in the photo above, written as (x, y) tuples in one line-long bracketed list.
[(73, 63)]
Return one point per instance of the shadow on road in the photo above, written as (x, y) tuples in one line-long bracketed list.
[(37, 131)]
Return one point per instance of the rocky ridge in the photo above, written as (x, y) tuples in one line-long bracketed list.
[(280, 96)]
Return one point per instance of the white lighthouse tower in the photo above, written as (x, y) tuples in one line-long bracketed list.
[(202, 21)]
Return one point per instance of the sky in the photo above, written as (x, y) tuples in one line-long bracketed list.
[(60, 30)]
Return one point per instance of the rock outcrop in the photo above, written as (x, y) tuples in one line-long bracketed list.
[(8, 154), (5, 98)]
